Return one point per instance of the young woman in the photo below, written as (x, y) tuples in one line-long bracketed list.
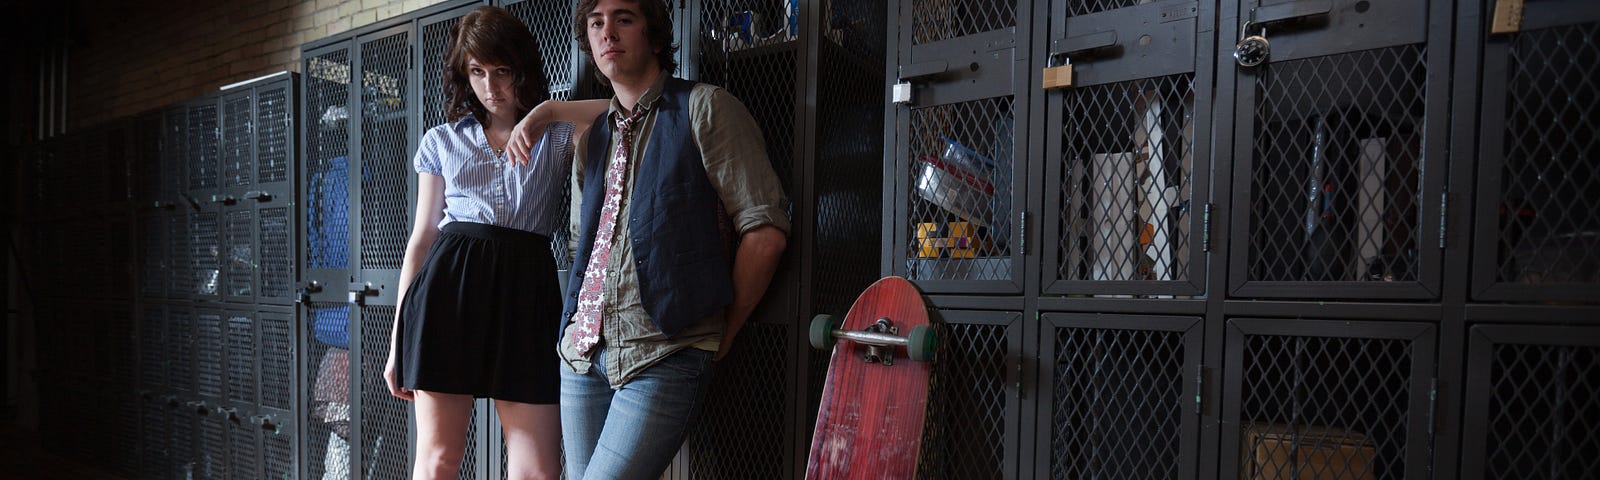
[(480, 302)]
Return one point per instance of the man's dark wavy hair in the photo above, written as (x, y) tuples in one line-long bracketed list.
[(658, 26)]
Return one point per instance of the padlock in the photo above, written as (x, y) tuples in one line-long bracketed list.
[(1057, 76), (1251, 50)]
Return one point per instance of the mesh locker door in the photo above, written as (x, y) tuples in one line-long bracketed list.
[(1339, 147), (379, 441), (211, 447), (205, 254), (273, 195), (1120, 397), (203, 152), (180, 351), (242, 362), (1533, 391), (972, 424), (154, 276), (210, 351), (1537, 236), (152, 345), (154, 434), (237, 254), (277, 453), (1124, 148), (433, 43), (550, 21), (956, 167), (384, 443), (1327, 399), (153, 204), (275, 254), (238, 162), (174, 154), (275, 331), (327, 167), (323, 405), (846, 163), (244, 449), (746, 439), (385, 159)]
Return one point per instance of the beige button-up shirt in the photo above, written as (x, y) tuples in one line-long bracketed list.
[(736, 163)]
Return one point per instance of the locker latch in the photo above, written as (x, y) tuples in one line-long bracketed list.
[(359, 295), (1058, 66), (304, 296)]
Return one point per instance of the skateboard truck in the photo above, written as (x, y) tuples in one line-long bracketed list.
[(877, 353), (880, 338)]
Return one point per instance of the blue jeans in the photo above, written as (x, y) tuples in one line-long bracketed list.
[(635, 430)]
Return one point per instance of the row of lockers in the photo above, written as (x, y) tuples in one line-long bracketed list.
[(1140, 203), (1338, 168)]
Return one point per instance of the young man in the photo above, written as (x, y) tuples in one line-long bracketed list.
[(653, 300)]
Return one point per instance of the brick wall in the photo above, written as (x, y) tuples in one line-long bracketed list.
[(129, 57)]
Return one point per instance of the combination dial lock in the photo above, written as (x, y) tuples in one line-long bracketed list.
[(1251, 50)]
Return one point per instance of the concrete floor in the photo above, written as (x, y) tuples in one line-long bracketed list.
[(22, 457)]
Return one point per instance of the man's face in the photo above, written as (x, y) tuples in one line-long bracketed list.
[(620, 41)]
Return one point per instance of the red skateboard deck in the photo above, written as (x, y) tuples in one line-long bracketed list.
[(869, 424)]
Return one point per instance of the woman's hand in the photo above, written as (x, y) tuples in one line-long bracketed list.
[(391, 376), (520, 146)]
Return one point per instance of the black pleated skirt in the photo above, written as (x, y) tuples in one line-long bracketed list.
[(481, 316)]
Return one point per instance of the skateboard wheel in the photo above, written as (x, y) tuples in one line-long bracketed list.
[(922, 343), (822, 332)]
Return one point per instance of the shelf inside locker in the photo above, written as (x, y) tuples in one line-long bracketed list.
[(980, 268), (387, 117), (715, 49)]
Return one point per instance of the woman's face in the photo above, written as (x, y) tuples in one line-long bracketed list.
[(493, 84)]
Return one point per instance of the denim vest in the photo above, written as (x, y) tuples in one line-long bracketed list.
[(684, 270)]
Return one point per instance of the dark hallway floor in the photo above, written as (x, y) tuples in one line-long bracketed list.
[(22, 457)]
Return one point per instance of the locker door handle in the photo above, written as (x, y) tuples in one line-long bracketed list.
[(162, 205), (359, 295), (1082, 43), (230, 413), (1059, 74), (224, 199), (265, 421), (199, 407), (304, 296), (1291, 11), (924, 69), (258, 195)]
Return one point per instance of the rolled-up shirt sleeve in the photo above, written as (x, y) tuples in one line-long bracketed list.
[(735, 155)]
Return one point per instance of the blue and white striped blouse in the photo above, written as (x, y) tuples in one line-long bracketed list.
[(480, 187)]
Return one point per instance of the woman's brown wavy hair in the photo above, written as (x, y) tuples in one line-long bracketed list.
[(493, 36)]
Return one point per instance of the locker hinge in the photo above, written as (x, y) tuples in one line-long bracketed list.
[(1199, 388), (1020, 395), (1433, 399), (1205, 228), (1444, 216), (1022, 233)]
